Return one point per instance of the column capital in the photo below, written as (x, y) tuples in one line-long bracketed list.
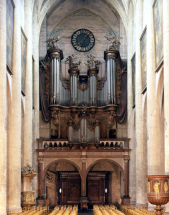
[(126, 160), (28, 171), (40, 160)]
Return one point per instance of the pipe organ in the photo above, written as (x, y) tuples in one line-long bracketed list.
[(80, 102), (83, 112)]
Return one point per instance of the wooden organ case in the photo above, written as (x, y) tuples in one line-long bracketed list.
[(83, 112)]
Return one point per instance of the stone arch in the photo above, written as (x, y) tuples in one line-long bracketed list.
[(104, 159), (78, 11), (116, 179), (57, 160), (114, 3)]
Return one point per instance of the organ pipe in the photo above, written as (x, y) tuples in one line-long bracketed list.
[(110, 57), (55, 56)]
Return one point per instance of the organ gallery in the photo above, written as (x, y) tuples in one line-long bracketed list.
[(84, 108)]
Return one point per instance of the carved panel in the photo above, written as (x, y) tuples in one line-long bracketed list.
[(28, 198)]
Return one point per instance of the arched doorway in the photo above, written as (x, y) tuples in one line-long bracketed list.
[(105, 183), (62, 183)]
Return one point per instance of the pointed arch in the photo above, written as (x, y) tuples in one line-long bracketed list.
[(78, 11), (114, 3)]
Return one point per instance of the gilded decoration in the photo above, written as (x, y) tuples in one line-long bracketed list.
[(28, 198), (166, 187), (156, 187), (158, 27), (133, 62), (23, 60), (148, 187), (144, 59), (9, 31), (28, 171)]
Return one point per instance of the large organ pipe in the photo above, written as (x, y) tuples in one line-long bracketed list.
[(93, 83), (110, 57), (56, 56), (74, 72)]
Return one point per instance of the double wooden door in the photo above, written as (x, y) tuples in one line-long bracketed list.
[(96, 185)]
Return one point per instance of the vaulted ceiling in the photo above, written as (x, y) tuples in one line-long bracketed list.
[(47, 7)]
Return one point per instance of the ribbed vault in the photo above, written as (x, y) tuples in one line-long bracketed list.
[(42, 7)]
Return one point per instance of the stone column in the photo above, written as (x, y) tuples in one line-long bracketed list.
[(3, 110), (35, 122), (27, 145), (131, 110), (166, 81), (83, 179), (92, 72), (28, 196), (40, 198), (155, 148), (126, 198), (110, 57), (141, 193), (126, 177), (14, 125), (83, 199), (74, 72)]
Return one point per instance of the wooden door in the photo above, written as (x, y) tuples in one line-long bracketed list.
[(71, 187), (96, 187)]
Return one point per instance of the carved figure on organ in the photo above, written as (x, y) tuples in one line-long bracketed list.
[(114, 42), (52, 43), (71, 60), (90, 61)]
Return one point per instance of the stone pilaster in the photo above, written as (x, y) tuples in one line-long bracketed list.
[(14, 125), (27, 146), (141, 193), (166, 81), (155, 154), (36, 99), (130, 122), (3, 96)]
